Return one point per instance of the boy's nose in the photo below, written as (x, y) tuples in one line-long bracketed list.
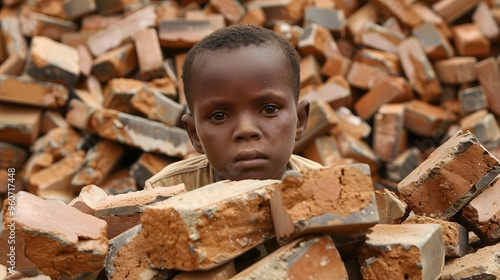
[(246, 129)]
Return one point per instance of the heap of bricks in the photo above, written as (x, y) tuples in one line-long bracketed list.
[(90, 106)]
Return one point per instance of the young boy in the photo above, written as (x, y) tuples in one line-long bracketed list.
[(242, 88)]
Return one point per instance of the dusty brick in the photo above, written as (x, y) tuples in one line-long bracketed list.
[(157, 106), (19, 125), (488, 74), (356, 21), (78, 8), (318, 41), (310, 71), (451, 10), (434, 42), (418, 69), (330, 18), (85, 59), (290, 11), (314, 257), (427, 120), (391, 209), (54, 8), (254, 15), (482, 214), (485, 20), (379, 37), (75, 38), (357, 150), (119, 182), (58, 142), (118, 93), (483, 264), (147, 165), (80, 110), (449, 178), (336, 65), (323, 150), (483, 125), (166, 86), (149, 54), (37, 24), (36, 162), (350, 124), (302, 204), (223, 272), (455, 237), (472, 99), (389, 135), (118, 32), (387, 90), (59, 240), (404, 164), (321, 119), (335, 93), (182, 33), (402, 252), (12, 156), (365, 76), (469, 41), (115, 63), (150, 136), (24, 90), (96, 22), (192, 217), (385, 60), (402, 10), (429, 15), (52, 61), (15, 44), (99, 161), (217, 21), (232, 10)]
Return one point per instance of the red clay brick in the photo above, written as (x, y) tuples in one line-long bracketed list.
[(365, 76), (157, 106), (385, 60), (488, 74), (323, 150), (389, 135), (427, 120), (357, 150), (483, 264), (336, 65), (451, 10), (379, 37), (115, 63), (318, 41), (469, 40), (182, 33), (19, 125)]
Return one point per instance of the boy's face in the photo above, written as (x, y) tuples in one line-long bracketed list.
[(244, 116)]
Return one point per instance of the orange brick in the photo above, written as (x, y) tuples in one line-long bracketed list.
[(38, 24), (78, 8), (323, 150), (232, 10), (469, 40), (337, 94), (389, 135), (350, 124), (364, 76), (428, 15), (357, 150), (451, 10), (488, 74), (287, 10), (254, 15), (449, 178), (402, 10), (12, 156), (183, 33), (483, 125), (147, 165), (166, 86), (318, 41), (118, 93), (379, 37), (291, 32), (456, 70), (336, 65), (426, 119), (59, 142), (434, 42), (80, 110), (19, 125), (115, 63), (481, 264), (299, 207), (54, 8), (356, 21), (385, 60), (309, 71), (96, 22), (149, 54), (157, 106), (74, 39), (36, 162)]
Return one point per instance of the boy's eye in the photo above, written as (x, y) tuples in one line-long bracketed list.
[(218, 116), (270, 109)]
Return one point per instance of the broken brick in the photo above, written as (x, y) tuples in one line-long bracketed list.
[(16, 46), (404, 164), (232, 10), (11, 156), (385, 60), (37, 24), (149, 54), (379, 37), (318, 41), (488, 74), (350, 124), (115, 63), (337, 94), (336, 65), (19, 125), (389, 135), (472, 99), (451, 10), (323, 150), (78, 8), (309, 71), (426, 119), (183, 33), (402, 10), (391, 209), (485, 20), (225, 271), (482, 264), (469, 40), (146, 166), (157, 106), (483, 125), (365, 76), (435, 44), (357, 150)]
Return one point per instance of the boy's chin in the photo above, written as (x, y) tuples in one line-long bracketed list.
[(248, 175)]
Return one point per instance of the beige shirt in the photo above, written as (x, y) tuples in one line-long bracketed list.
[(196, 172)]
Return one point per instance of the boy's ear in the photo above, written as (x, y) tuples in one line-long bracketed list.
[(302, 116), (189, 125)]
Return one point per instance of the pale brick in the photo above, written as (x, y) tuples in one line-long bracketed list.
[(403, 252), (330, 18), (16, 46), (379, 37), (391, 209), (483, 264), (451, 10), (338, 200), (484, 19), (483, 125), (449, 178), (488, 74), (434, 42), (350, 124), (19, 125), (149, 54), (182, 33), (208, 226), (472, 99), (58, 142), (389, 136)]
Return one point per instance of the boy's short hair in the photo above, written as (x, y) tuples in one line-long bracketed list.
[(242, 35)]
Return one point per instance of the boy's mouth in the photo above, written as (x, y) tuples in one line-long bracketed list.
[(250, 159)]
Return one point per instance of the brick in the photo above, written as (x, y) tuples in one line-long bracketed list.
[(336, 94), (183, 33), (483, 125), (449, 178), (299, 205), (150, 136), (12, 156), (318, 41), (472, 99), (232, 10), (54, 8), (74, 39), (157, 106), (99, 161), (484, 19), (350, 124), (118, 32), (323, 150), (356, 21), (469, 41), (291, 32), (192, 217), (127, 257), (321, 119), (364, 76), (44, 182), (22, 263), (19, 125), (488, 74), (387, 90), (36, 162), (402, 252), (78, 8), (358, 150), (147, 165), (418, 70), (429, 15), (314, 257), (404, 164), (60, 240), (402, 10), (118, 93), (52, 61), (434, 42), (80, 111), (391, 209), (217, 21), (96, 22), (254, 15), (427, 120), (115, 63), (482, 214), (119, 182), (451, 10), (389, 135), (225, 271), (455, 236), (310, 71), (483, 264), (330, 18), (109, 7), (16, 46), (456, 70), (24, 90), (336, 65), (385, 60), (59, 142), (290, 11), (38, 24), (379, 37), (166, 86), (149, 54), (179, 61)]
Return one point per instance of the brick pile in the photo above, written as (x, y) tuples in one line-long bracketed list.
[(90, 104)]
